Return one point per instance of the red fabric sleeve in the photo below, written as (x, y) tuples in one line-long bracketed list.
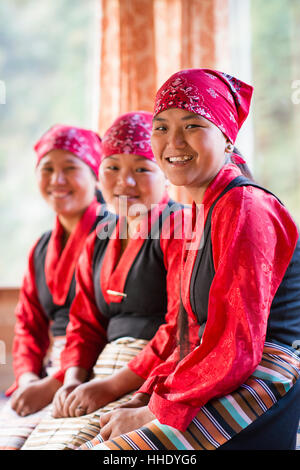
[(86, 330), (253, 240), (153, 360), (161, 370), (31, 336), (165, 340)]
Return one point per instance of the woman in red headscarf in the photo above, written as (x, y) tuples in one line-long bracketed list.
[(240, 276), (127, 289), (67, 166)]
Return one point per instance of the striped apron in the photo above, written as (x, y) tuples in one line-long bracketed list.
[(223, 418), (69, 433), (15, 429)]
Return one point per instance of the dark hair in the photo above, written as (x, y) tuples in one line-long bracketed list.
[(243, 166), (183, 331), (99, 196)]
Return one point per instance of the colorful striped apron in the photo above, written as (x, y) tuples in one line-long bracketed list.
[(222, 418)]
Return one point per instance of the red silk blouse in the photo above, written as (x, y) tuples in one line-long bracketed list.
[(31, 340), (253, 240), (86, 332)]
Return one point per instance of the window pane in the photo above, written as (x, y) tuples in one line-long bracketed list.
[(47, 70), (265, 39), (276, 114)]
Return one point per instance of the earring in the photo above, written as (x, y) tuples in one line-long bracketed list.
[(229, 148)]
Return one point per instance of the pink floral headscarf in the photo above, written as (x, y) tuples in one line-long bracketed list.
[(83, 143), (130, 133), (218, 97)]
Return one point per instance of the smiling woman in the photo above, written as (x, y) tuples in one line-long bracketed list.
[(126, 303), (67, 185), (131, 180), (237, 386), (179, 138), (68, 159)]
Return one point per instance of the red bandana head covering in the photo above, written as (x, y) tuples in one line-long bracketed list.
[(130, 133), (237, 159), (218, 97), (83, 143)]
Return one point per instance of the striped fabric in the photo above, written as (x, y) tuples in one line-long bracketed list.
[(70, 433), (221, 418), (15, 429)]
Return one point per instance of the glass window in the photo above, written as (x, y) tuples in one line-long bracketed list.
[(48, 52), (265, 38)]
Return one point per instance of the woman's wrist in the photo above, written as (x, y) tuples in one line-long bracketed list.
[(27, 378), (124, 381), (147, 414), (75, 376), (52, 384)]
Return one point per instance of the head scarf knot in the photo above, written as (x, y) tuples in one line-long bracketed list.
[(222, 99), (83, 143)]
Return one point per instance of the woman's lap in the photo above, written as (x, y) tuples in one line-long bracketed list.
[(15, 429), (258, 404), (70, 433), (275, 430)]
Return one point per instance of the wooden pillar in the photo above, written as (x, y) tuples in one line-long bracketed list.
[(144, 41)]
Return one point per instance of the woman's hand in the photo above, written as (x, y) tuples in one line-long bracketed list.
[(34, 396), (74, 376), (60, 399), (123, 420), (77, 398), (83, 399), (140, 399)]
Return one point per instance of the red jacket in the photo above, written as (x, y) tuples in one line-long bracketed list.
[(86, 332), (32, 339), (253, 239)]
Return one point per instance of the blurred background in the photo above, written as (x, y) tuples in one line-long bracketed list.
[(84, 62)]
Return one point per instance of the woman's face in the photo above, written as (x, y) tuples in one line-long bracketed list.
[(189, 149), (131, 179), (66, 183)]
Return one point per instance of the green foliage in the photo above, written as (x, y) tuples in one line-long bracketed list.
[(275, 65), (46, 52)]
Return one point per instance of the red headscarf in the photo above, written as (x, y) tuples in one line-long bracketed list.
[(218, 97), (83, 143), (130, 133)]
